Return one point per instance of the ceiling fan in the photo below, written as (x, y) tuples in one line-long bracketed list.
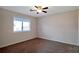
[(39, 9)]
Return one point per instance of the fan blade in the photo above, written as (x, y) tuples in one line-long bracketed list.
[(44, 11), (45, 8), (36, 6), (32, 10)]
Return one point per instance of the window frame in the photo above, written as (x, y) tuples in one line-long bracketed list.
[(16, 18)]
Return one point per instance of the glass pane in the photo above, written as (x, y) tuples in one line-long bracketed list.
[(17, 25), (26, 26)]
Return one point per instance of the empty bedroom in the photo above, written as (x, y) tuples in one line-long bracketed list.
[(39, 29)]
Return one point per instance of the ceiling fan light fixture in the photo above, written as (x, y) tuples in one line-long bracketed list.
[(40, 9)]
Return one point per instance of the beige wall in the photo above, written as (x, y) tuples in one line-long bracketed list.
[(8, 36), (78, 27), (61, 27), (0, 27)]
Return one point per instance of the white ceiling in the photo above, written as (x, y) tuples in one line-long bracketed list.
[(51, 10)]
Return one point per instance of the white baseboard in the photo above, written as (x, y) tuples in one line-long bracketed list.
[(36, 37), (1, 46), (60, 41)]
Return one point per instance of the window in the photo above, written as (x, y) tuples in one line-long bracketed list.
[(21, 24), (26, 26)]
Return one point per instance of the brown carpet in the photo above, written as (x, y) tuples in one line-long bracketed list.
[(39, 45)]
